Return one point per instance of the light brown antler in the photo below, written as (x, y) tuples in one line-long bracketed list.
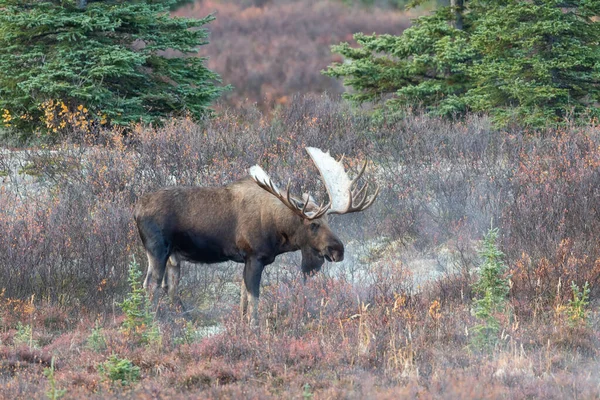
[(263, 180)]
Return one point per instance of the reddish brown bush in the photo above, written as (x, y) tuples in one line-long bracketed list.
[(68, 238), (394, 320), (268, 53)]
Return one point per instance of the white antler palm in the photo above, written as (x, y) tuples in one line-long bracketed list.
[(344, 195)]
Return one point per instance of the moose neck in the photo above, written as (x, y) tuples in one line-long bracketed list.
[(291, 231)]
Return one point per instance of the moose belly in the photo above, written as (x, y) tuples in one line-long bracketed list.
[(200, 249)]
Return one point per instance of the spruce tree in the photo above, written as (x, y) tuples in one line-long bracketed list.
[(534, 62), (104, 61), (538, 61)]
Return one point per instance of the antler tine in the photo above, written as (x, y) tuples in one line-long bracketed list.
[(305, 204), (364, 194), (290, 203), (302, 211), (365, 201), (272, 186), (322, 210), (372, 199), (354, 182), (357, 194), (287, 193)]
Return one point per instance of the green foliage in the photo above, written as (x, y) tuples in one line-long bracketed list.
[(577, 312), (538, 61), (492, 274), (120, 370), (492, 288), (306, 392), (534, 62), (96, 340), (485, 334), (139, 323), (426, 65), (113, 62), (53, 393), (24, 335)]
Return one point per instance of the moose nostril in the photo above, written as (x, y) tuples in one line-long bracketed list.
[(336, 254)]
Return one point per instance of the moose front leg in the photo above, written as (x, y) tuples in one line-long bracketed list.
[(252, 274), (243, 300)]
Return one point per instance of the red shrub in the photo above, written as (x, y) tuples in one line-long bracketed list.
[(270, 54)]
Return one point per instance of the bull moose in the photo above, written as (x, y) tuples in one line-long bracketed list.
[(249, 221)]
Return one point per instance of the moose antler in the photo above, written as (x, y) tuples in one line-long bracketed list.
[(263, 180), (343, 194)]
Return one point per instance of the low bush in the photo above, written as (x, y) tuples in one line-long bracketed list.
[(394, 319), (68, 230), (266, 53)]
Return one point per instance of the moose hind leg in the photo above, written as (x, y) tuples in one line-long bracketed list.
[(172, 278), (243, 300), (154, 277), (172, 262)]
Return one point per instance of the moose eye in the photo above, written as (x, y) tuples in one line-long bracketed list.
[(314, 226)]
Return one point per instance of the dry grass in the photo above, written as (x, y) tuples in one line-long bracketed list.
[(269, 52), (372, 327)]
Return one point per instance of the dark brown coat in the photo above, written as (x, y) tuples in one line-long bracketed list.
[(240, 222)]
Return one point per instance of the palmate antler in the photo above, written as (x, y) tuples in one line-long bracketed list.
[(344, 195)]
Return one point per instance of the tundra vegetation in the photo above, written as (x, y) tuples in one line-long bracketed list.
[(475, 274), (479, 322)]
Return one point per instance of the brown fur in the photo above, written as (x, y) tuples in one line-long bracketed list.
[(239, 222)]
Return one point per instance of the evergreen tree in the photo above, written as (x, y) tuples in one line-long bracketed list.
[(535, 61), (538, 60), (104, 61), (492, 290), (492, 277), (427, 65)]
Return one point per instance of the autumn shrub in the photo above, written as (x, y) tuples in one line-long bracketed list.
[(267, 53), (68, 233), (549, 218)]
